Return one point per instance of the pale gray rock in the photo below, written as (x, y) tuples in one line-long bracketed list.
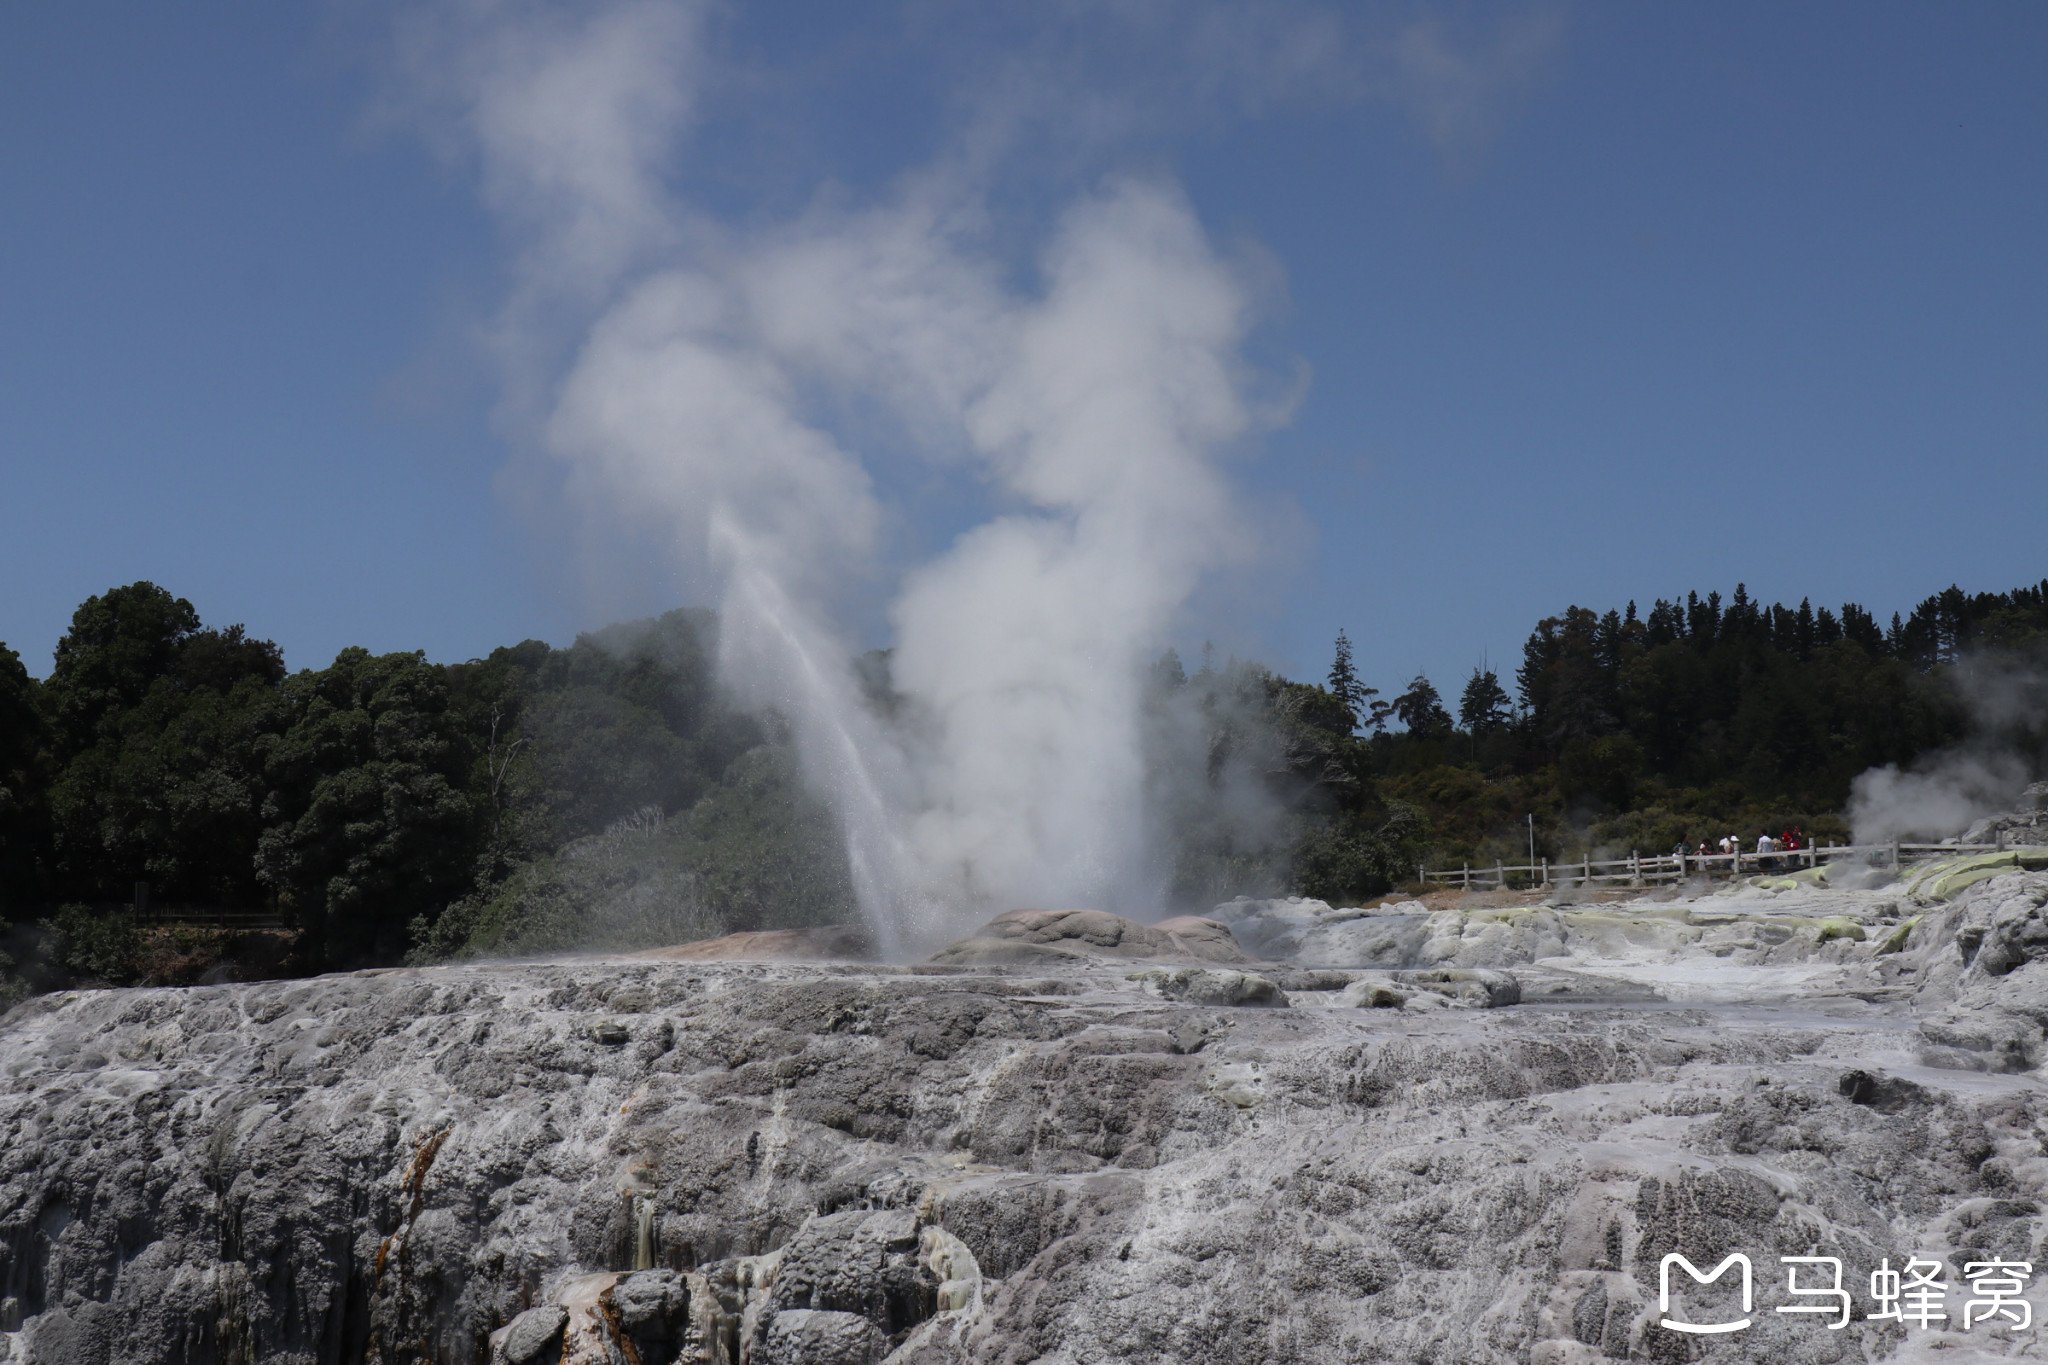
[(1471, 987), (783, 1161), (1374, 995), (1317, 934), (2026, 824), (534, 1335), (1078, 937), (802, 1336), (653, 1305), (1201, 986), (861, 1262)]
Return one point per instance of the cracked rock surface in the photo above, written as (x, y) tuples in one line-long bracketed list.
[(1477, 1148)]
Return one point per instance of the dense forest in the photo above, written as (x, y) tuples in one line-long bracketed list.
[(1697, 718), (388, 808)]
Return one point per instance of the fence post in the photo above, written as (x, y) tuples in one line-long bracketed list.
[(1546, 873), (1468, 876), (1500, 875), (1895, 855)]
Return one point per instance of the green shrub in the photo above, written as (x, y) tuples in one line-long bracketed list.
[(98, 947)]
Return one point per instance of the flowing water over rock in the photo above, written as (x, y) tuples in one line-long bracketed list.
[(1476, 1144)]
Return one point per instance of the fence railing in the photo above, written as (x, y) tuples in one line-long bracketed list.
[(147, 912), (1640, 870), (203, 917)]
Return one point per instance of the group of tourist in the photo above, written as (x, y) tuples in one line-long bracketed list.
[(1768, 846)]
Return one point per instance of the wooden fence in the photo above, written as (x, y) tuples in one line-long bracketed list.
[(1637, 870), (207, 917), (150, 913)]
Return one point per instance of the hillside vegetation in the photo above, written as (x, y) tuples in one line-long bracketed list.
[(388, 807), (1701, 718)]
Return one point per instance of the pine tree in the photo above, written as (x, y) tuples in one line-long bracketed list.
[(1168, 673), (1483, 708), (1344, 682)]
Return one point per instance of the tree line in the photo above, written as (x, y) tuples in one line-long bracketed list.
[(362, 801), (387, 807), (1700, 716)]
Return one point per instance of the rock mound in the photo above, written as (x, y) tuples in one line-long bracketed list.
[(2026, 823), (1200, 986), (1081, 936), (1315, 933)]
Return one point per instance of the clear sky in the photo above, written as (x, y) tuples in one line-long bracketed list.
[(1591, 301)]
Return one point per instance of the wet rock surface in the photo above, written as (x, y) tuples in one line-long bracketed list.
[(1479, 1151)]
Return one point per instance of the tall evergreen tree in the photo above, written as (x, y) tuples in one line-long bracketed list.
[(1343, 684), (1483, 707)]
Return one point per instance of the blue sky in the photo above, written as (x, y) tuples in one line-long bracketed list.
[(1594, 301)]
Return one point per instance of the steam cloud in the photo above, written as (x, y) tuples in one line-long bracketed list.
[(2006, 698), (1094, 404), (1937, 800)]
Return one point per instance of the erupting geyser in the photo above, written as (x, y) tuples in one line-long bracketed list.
[(1093, 405)]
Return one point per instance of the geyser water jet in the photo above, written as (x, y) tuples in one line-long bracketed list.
[(1093, 406)]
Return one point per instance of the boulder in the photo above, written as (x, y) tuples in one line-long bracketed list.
[(858, 1262), (1374, 995), (1200, 986), (1314, 933), (1203, 938), (1187, 1037), (1079, 936), (534, 1334), (652, 1304), (1474, 988), (807, 1336)]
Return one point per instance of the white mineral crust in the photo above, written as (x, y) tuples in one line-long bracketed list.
[(1452, 1135)]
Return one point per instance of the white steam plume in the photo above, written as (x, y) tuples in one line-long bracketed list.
[(1096, 405), (2005, 696), (1936, 799), (1027, 642)]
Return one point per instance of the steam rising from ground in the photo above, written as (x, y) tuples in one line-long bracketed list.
[(2006, 697), (1934, 800), (1094, 401)]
